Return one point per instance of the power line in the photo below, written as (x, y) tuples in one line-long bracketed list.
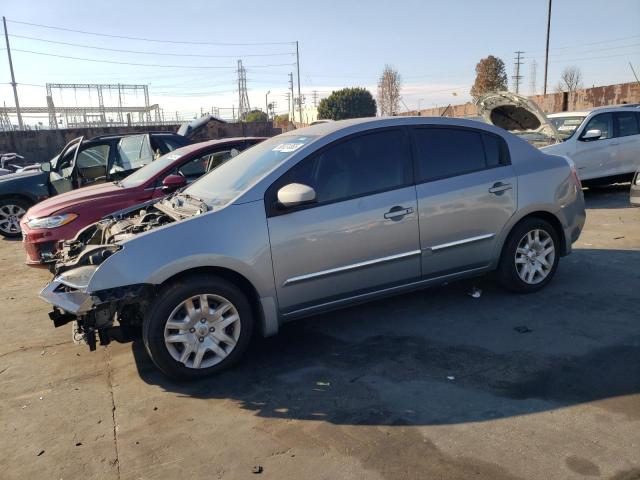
[(181, 42), (148, 64), (152, 53)]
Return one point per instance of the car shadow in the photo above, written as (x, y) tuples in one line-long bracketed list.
[(440, 356), (609, 196)]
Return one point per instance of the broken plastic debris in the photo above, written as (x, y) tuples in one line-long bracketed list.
[(451, 377), (475, 292)]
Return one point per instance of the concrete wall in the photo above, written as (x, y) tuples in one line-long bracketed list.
[(556, 102), (41, 145)]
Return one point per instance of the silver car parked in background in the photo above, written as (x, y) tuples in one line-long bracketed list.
[(317, 219)]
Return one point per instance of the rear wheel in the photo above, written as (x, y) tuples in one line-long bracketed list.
[(530, 256), (198, 327), (11, 211)]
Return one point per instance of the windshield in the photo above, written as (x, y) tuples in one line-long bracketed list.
[(567, 126), (151, 169), (231, 178)]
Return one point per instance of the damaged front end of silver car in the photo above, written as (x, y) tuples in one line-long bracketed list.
[(115, 313)]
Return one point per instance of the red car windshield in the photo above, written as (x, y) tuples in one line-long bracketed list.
[(150, 170)]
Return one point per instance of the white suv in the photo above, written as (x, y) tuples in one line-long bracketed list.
[(604, 143)]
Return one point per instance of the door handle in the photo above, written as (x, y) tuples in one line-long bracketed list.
[(397, 212), (500, 187)]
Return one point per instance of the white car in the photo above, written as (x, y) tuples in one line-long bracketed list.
[(604, 143)]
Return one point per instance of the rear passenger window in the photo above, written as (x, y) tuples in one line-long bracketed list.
[(445, 152), (493, 150), (626, 124)]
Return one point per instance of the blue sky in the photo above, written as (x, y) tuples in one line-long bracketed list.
[(435, 45)]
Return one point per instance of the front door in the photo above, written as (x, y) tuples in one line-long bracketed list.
[(61, 177), (595, 158), (466, 194), (360, 235)]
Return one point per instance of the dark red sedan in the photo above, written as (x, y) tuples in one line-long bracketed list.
[(62, 217)]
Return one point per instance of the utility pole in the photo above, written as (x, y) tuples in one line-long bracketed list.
[(293, 102), (533, 73), (517, 77), (266, 103), (13, 78), (546, 52), (299, 94)]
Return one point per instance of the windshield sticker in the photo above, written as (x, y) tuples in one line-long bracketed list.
[(288, 147)]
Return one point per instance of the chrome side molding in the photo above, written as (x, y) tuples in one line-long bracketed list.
[(442, 246), (353, 266)]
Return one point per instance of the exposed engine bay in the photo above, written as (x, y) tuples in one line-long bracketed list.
[(96, 242), (113, 314)]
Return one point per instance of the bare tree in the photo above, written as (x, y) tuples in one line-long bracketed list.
[(570, 80), (389, 91)]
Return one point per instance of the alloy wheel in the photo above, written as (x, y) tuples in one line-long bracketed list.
[(535, 256), (202, 331), (10, 215)]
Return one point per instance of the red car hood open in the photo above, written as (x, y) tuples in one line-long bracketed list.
[(74, 197)]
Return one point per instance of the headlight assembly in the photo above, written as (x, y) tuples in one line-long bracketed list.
[(53, 221)]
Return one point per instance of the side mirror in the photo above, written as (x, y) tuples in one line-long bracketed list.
[(45, 166), (173, 182), (296, 194), (594, 134)]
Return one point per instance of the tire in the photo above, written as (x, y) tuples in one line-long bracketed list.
[(517, 261), (171, 334), (11, 211)]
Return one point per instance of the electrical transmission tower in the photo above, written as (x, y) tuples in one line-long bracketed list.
[(532, 75), (243, 96), (517, 77)]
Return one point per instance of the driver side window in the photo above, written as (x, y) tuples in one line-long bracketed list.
[(602, 122)]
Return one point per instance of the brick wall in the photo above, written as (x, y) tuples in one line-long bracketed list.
[(41, 145), (556, 102)]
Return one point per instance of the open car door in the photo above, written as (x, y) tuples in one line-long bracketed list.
[(61, 176), (133, 152)]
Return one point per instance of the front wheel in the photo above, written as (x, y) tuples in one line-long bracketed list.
[(530, 256), (11, 211), (197, 327)]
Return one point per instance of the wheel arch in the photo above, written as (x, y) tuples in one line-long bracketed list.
[(239, 281), (543, 215), (18, 196)]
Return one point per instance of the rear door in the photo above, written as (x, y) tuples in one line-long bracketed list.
[(627, 134), (598, 157), (132, 152), (360, 235), (466, 190)]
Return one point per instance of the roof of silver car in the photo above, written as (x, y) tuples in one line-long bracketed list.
[(321, 129)]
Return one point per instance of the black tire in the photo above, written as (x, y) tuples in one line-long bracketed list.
[(172, 295), (507, 273), (9, 203)]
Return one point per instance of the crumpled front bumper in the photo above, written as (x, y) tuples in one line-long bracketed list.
[(71, 301)]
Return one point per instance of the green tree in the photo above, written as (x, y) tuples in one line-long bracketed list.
[(347, 103), (256, 116), (491, 76)]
